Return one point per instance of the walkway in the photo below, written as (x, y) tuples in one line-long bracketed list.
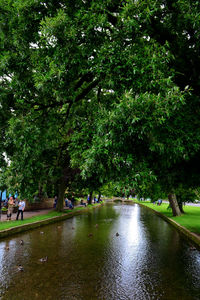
[(187, 203), (28, 214)]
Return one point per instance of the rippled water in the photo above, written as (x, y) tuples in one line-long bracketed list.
[(148, 260)]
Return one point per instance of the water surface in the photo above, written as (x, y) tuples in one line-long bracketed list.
[(148, 260)]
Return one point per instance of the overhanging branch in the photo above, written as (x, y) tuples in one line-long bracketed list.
[(86, 90)]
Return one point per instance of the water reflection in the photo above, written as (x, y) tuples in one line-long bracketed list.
[(148, 260)]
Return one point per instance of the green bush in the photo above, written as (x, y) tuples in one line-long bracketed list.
[(4, 209)]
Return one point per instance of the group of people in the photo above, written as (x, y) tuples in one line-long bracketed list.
[(159, 202), (68, 203), (12, 202), (96, 200)]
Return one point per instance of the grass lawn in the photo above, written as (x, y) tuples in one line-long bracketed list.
[(190, 219), (14, 223)]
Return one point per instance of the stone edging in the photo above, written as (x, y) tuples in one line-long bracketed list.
[(29, 226), (187, 233)]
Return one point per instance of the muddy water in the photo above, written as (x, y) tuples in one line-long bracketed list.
[(148, 260)]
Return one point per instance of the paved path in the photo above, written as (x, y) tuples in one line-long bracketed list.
[(193, 204), (187, 203), (28, 214), (32, 213)]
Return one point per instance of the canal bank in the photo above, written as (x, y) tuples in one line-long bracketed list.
[(195, 238), (86, 259), (47, 220)]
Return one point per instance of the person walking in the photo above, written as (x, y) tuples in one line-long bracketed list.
[(11, 204), (21, 207)]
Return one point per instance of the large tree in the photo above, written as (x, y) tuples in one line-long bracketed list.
[(155, 130), (126, 56), (58, 55)]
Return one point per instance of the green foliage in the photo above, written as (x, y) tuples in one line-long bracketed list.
[(2, 179), (150, 132), (105, 89), (4, 209)]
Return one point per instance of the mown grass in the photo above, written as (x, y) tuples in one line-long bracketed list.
[(10, 224), (190, 219)]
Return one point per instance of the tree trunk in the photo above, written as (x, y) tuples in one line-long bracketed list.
[(90, 198), (174, 205), (61, 194), (180, 204), (39, 191), (99, 196)]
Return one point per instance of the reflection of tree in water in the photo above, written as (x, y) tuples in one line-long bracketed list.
[(93, 249), (72, 256), (35, 246), (143, 261), (167, 252)]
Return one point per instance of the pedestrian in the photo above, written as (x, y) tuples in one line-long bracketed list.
[(11, 205), (55, 201), (159, 202), (66, 202), (16, 202), (21, 207), (6, 202), (70, 205)]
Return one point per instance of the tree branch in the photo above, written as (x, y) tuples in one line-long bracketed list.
[(85, 78), (86, 90)]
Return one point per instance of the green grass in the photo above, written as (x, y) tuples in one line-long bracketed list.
[(190, 219), (10, 224)]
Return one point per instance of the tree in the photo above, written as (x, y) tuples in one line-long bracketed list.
[(58, 55), (156, 127), (125, 56)]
